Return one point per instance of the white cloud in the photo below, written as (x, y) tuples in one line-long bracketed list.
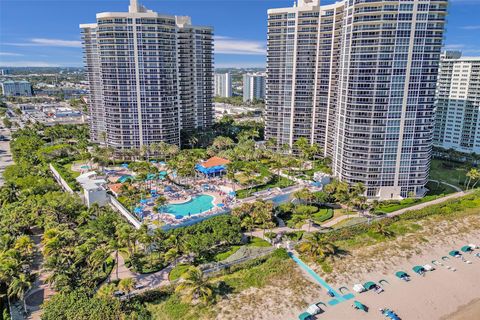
[(10, 54), (476, 27), (227, 45), (43, 42)]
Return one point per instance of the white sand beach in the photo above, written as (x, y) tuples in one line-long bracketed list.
[(440, 294)]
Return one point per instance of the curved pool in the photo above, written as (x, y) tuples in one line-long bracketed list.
[(195, 206)]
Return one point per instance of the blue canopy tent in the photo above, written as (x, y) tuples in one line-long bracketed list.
[(151, 176), (124, 165), (144, 201), (138, 210), (210, 171), (125, 178)]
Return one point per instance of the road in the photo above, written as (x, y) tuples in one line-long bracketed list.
[(5, 156)]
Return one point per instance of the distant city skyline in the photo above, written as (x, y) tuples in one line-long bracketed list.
[(240, 28)]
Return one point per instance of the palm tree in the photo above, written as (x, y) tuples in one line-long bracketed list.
[(172, 255), (381, 229), (473, 175), (97, 259), (107, 290), (127, 285), (19, 287), (317, 247), (195, 286)]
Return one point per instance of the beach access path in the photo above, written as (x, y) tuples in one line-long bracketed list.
[(259, 232)]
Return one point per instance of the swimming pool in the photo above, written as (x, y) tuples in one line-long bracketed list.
[(196, 205)]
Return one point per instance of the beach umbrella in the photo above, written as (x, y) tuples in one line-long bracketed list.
[(419, 269), (466, 249), (124, 165), (360, 306), (369, 285), (220, 205), (305, 316), (454, 253), (153, 161), (144, 201), (401, 274)]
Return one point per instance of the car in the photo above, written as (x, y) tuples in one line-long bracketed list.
[(3, 138)]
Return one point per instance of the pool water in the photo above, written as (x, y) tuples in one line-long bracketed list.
[(196, 205)]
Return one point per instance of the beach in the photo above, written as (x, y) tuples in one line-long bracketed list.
[(440, 294), (467, 312)]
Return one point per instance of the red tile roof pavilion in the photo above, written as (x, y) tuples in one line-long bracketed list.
[(214, 161)]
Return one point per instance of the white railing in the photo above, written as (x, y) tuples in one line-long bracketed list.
[(60, 180), (120, 208)]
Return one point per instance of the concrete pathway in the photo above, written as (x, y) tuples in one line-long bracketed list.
[(429, 203), (5, 155), (259, 232), (448, 184)]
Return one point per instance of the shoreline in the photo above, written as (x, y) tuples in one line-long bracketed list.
[(440, 294), (465, 312)]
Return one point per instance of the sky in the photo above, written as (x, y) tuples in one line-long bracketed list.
[(46, 32)]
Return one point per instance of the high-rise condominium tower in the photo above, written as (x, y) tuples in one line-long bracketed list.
[(223, 85), (253, 86), (150, 76), (358, 78), (457, 122)]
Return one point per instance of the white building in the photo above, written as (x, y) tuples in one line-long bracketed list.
[(358, 78), (223, 85), (150, 76), (457, 124), (253, 86), (17, 88)]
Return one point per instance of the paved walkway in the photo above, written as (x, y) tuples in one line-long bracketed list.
[(259, 232), (5, 155), (448, 184), (429, 203)]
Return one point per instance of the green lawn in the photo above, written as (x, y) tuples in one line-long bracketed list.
[(224, 255), (275, 182), (349, 222), (450, 172)]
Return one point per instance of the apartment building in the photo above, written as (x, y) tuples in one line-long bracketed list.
[(358, 78), (223, 85), (21, 88), (253, 87), (150, 76), (457, 123)]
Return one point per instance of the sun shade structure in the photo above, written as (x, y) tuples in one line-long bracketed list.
[(454, 253), (369, 285), (125, 178), (401, 274), (360, 306), (304, 316), (419, 269), (212, 166), (466, 249)]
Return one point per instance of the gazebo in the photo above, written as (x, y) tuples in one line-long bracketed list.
[(212, 167)]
